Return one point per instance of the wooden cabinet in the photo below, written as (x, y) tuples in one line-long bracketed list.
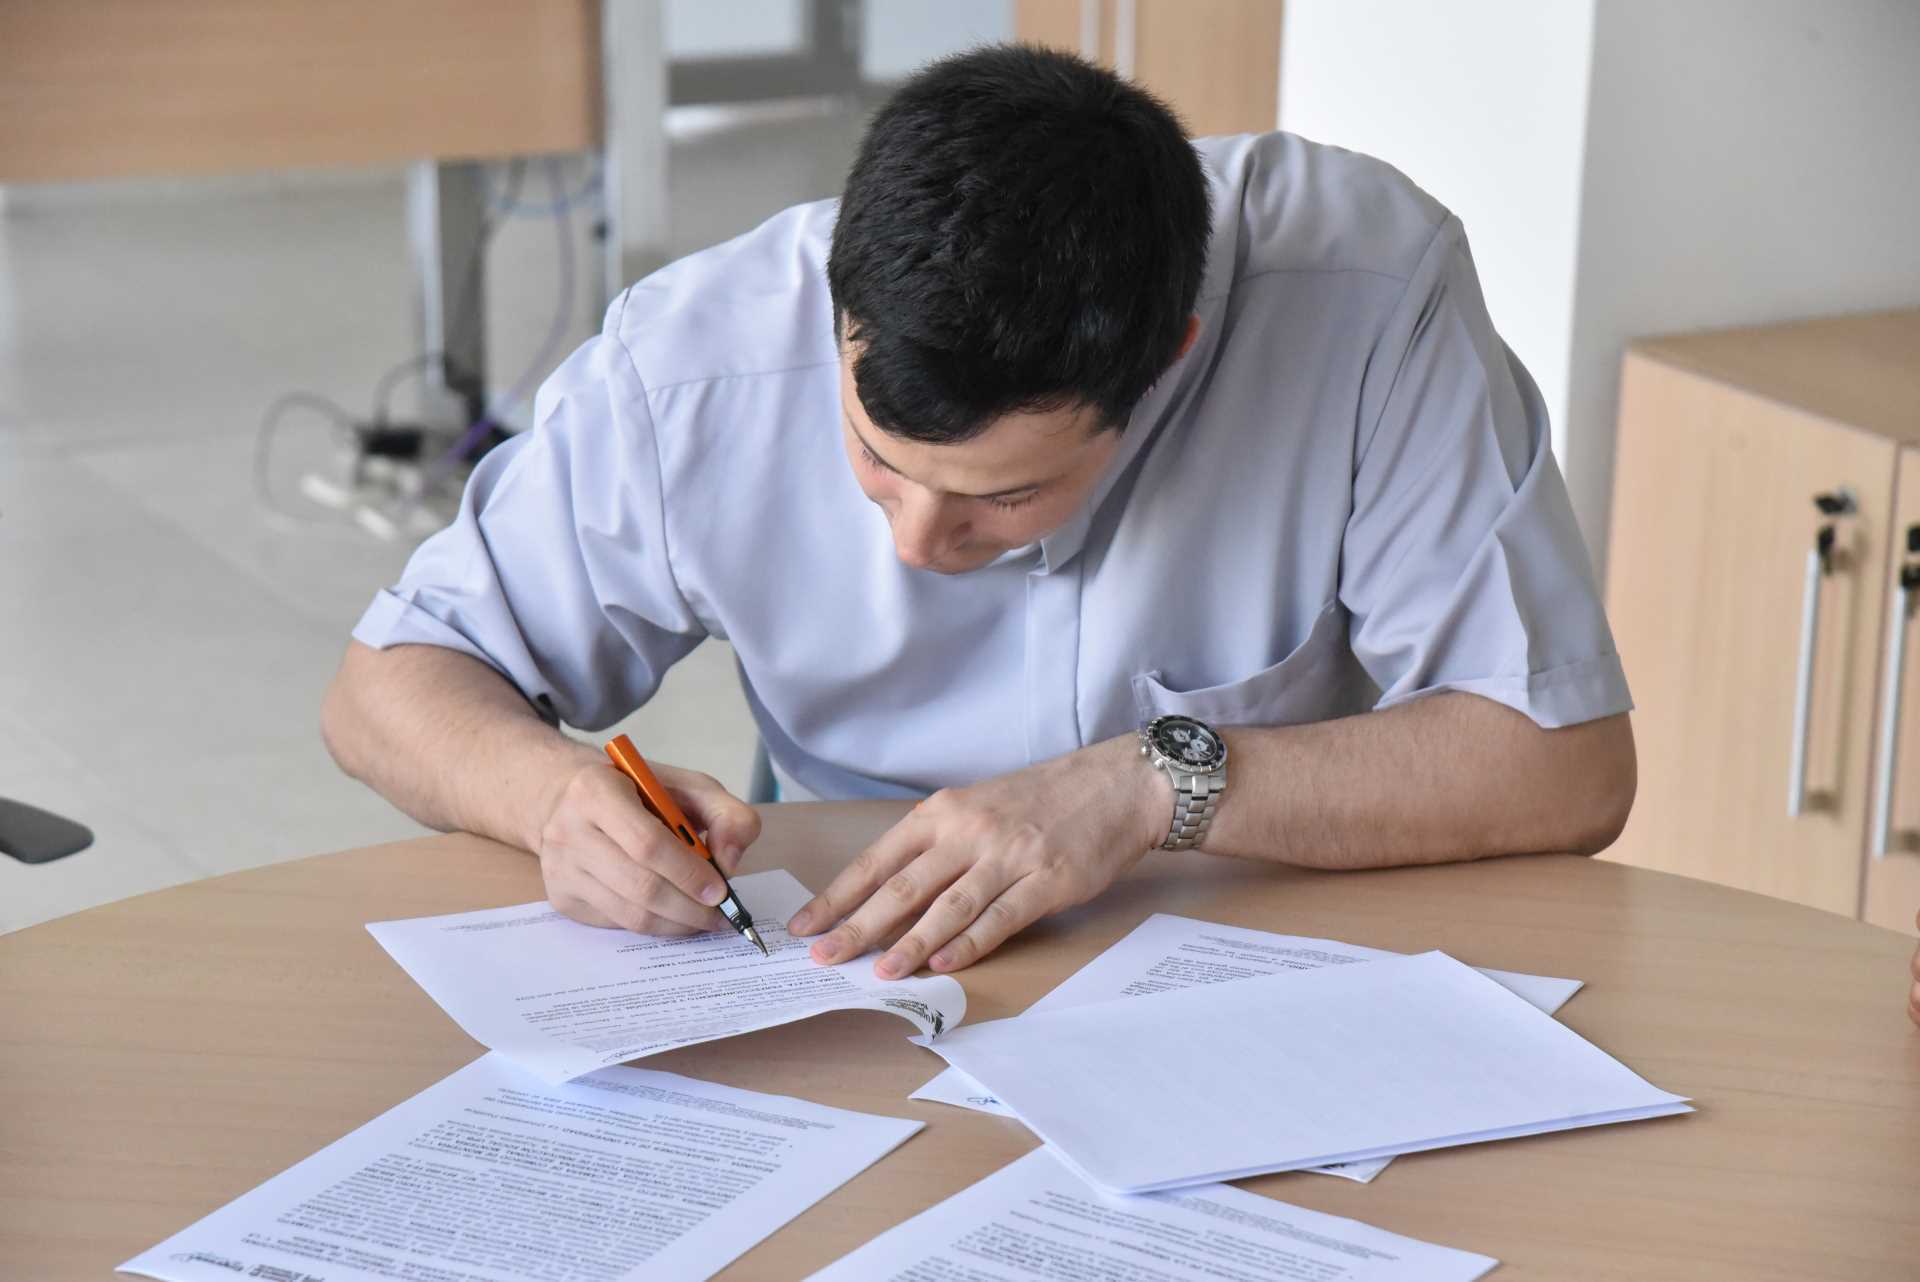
[(1217, 62), (1761, 591), (1893, 833)]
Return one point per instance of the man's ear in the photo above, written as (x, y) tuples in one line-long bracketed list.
[(1193, 332)]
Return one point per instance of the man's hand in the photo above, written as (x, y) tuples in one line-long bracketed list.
[(977, 864), (607, 862)]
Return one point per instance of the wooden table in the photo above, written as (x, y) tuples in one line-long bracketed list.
[(161, 1056)]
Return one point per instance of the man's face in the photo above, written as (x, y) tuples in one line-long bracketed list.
[(954, 508)]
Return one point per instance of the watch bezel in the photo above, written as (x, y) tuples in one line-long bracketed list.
[(1150, 737)]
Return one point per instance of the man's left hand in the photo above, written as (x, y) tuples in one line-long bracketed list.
[(975, 865)]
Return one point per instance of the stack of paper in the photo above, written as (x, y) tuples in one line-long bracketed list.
[(492, 1175), (1289, 1071), (1035, 1221), (1166, 952), (563, 999)]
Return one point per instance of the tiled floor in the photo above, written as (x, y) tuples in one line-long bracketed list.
[(164, 642)]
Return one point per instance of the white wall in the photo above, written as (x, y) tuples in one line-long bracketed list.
[(734, 28), (1484, 105), (1746, 161)]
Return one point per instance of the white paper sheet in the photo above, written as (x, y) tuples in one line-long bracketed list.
[(492, 1175), (1036, 1221), (1167, 952), (1283, 1072), (562, 999)]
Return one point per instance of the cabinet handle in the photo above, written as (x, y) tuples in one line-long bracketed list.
[(1803, 686), (1819, 565), (1906, 584)]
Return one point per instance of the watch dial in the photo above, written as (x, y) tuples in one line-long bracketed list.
[(1187, 742)]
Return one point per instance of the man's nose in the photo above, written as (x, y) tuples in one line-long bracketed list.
[(923, 530)]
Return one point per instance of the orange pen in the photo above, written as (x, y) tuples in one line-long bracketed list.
[(661, 805)]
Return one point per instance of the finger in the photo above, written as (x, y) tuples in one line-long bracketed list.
[(899, 900), (647, 843), (639, 887), (591, 902), (896, 847), (576, 900), (1022, 904), (640, 919), (955, 909), (730, 824)]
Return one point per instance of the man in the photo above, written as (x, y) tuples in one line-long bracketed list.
[(1055, 426)]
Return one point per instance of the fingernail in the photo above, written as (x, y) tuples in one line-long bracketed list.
[(940, 961), (823, 950), (800, 923), (890, 965), (712, 893)]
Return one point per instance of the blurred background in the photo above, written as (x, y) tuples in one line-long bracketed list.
[(273, 273)]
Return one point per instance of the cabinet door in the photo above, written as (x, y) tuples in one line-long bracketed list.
[(1893, 864), (1216, 61), (1709, 589)]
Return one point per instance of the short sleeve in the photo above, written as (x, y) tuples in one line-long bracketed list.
[(556, 570), (1461, 565)]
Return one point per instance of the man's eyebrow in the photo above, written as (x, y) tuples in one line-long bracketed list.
[(881, 460)]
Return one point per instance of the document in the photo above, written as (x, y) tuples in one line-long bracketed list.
[(1166, 952), (1284, 1072), (562, 999), (1036, 1221), (492, 1175)]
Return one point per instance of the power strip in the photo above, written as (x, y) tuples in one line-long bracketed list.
[(380, 482)]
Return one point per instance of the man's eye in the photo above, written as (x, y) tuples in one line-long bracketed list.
[(1008, 504)]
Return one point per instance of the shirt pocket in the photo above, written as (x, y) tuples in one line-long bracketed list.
[(1318, 681)]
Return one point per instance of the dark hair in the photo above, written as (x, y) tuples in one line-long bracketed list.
[(1022, 230)]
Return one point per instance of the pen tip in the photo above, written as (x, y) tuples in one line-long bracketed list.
[(753, 937)]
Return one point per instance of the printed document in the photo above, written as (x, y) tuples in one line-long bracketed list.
[(1166, 952), (562, 999), (492, 1175), (1036, 1221), (1284, 1072)]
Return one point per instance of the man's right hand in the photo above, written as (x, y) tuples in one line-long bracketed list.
[(608, 862)]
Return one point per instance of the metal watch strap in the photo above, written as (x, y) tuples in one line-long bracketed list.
[(1194, 797)]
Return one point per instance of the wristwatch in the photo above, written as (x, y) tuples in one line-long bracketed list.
[(1195, 758)]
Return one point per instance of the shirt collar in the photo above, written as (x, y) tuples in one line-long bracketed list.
[(1164, 404)]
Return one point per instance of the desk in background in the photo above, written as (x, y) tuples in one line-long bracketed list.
[(101, 89)]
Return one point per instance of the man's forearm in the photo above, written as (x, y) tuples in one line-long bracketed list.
[(1448, 777), (448, 740)]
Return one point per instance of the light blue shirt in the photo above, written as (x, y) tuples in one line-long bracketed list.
[(1341, 498)]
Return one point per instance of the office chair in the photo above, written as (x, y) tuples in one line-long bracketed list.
[(762, 789), (36, 836)]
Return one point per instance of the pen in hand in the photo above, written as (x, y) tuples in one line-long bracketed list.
[(661, 805)]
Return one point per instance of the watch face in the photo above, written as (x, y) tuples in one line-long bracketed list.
[(1187, 742)]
